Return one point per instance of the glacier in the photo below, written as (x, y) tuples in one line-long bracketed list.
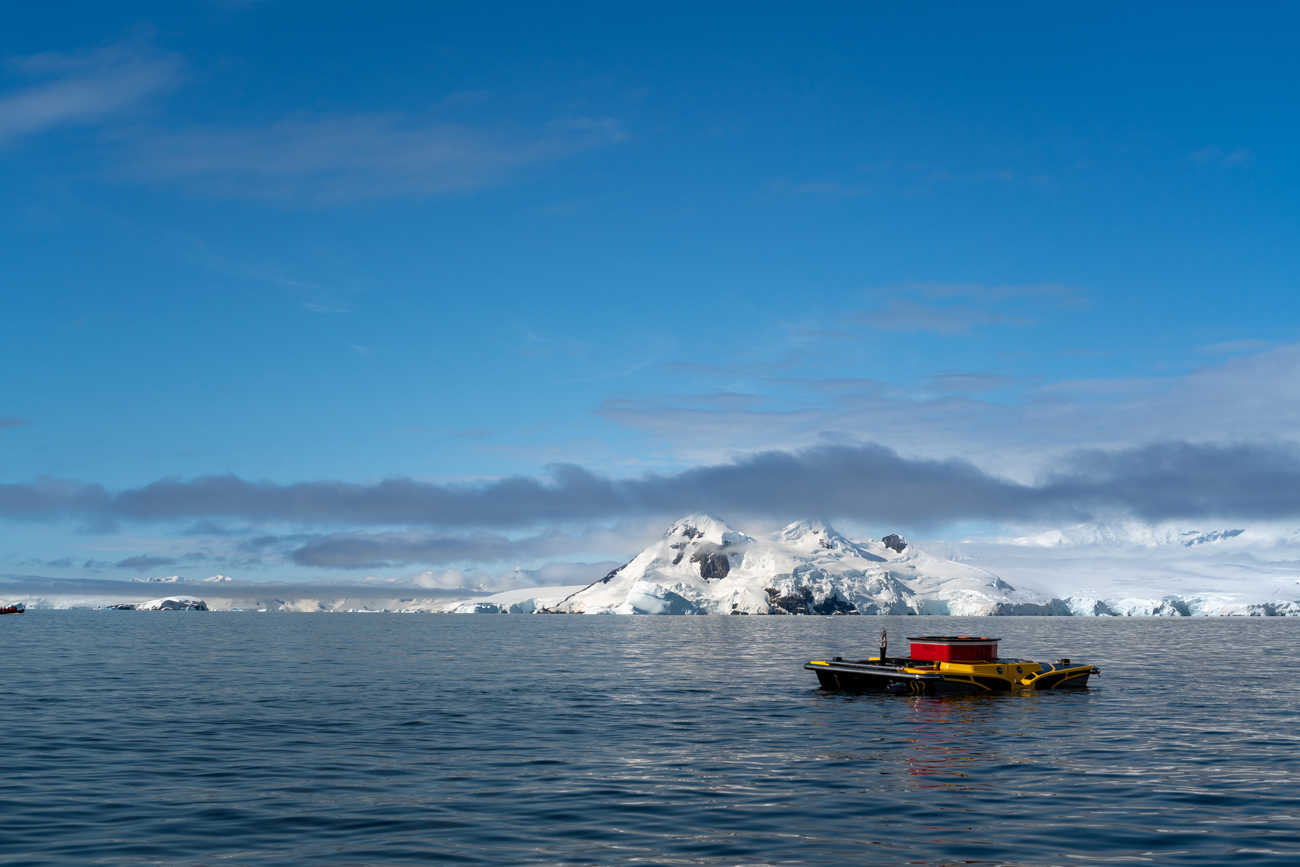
[(173, 603)]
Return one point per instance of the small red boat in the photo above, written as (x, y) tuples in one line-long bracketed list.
[(14, 609)]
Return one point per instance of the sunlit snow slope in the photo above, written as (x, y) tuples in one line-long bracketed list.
[(703, 566)]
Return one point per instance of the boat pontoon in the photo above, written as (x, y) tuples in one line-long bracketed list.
[(948, 665)]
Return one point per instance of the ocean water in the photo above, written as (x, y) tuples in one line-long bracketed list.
[(257, 739)]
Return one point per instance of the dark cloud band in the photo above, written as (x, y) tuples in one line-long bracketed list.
[(376, 550), (868, 482)]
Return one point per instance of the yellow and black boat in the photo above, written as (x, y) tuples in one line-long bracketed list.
[(948, 665)]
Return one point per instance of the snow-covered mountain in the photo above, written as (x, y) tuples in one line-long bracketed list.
[(1135, 569), (703, 566), (1136, 535)]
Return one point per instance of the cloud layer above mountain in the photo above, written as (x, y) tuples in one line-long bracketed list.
[(1163, 481)]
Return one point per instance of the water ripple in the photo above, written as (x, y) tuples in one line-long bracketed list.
[(245, 739)]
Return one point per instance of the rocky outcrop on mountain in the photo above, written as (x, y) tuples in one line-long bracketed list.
[(894, 542)]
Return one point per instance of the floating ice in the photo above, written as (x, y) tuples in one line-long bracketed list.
[(173, 603)]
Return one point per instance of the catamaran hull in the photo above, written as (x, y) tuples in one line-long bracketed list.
[(1004, 677)]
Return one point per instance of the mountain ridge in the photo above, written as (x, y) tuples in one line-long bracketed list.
[(704, 566)]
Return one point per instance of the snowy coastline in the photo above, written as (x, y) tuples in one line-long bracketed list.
[(703, 566)]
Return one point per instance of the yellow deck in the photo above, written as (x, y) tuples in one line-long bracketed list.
[(1017, 675)]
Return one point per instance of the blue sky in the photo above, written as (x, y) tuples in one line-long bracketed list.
[(302, 243)]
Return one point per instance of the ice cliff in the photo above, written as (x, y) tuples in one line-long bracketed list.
[(173, 603)]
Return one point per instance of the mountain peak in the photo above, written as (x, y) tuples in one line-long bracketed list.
[(701, 528), (703, 566), (813, 534)]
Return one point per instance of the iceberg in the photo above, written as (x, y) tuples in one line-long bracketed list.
[(529, 600), (172, 603)]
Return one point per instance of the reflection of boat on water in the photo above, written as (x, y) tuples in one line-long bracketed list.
[(13, 609), (948, 665)]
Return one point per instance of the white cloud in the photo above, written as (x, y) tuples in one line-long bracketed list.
[(955, 308), (904, 314), (1243, 398), (83, 88), (1211, 156), (360, 156), (304, 156)]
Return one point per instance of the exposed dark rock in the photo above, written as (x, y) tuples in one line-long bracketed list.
[(834, 605), (795, 603), (1055, 608), (802, 603), (713, 565), (895, 542), (605, 580)]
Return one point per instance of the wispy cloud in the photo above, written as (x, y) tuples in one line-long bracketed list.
[(312, 297), (92, 87), (144, 561), (1235, 347), (1058, 294), (474, 433), (957, 308), (7, 421), (350, 157), (1210, 156), (970, 383), (904, 314), (820, 189), (304, 157), (1012, 424), (380, 550)]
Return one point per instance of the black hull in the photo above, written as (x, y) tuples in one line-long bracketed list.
[(863, 677), (858, 684)]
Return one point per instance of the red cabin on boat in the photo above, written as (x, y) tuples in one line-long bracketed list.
[(953, 648)]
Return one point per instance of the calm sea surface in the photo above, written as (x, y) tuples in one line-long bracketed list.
[(251, 739)]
